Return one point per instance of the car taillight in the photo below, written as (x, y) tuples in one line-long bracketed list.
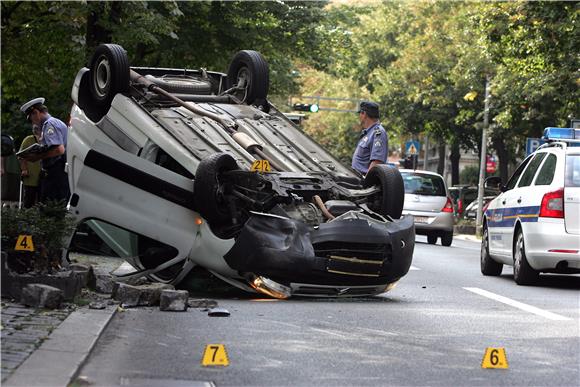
[(448, 206), (553, 204), (459, 206), (485, 207)]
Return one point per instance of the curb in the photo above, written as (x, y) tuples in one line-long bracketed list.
[(59, 358)]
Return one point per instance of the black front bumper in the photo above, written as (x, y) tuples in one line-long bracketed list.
[(348, 252)]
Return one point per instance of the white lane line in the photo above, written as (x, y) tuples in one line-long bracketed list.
[(517, 304), (414, 268)]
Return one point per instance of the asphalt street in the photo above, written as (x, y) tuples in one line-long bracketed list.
[(432, 329)]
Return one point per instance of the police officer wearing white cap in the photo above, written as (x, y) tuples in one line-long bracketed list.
[(53, 154), (373, 144)]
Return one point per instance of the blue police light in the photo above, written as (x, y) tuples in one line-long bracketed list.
[(551, 133)]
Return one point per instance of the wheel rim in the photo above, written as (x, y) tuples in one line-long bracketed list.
[(518, 254), (102, 77), (243, 80), (484, 245)]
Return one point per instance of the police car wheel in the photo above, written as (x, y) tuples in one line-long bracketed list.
[(249, 72), (431, 239), (209, 201), (488, 265), (109, 73), (524, 274), (392, 196)]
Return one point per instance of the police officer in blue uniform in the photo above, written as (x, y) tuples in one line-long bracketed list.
[(52, 153), (373, 144)]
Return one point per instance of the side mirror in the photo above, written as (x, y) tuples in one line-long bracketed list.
[(493, 182)]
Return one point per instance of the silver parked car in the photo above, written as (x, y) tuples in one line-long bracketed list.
[(427, 199)]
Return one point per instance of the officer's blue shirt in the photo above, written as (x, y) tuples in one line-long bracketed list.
[(373, 144), (54, 132)]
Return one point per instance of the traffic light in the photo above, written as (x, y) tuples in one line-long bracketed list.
[(306, 107)]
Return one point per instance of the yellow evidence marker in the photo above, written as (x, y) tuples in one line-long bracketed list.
[(215, 355), (24, 243), (261, 166), (494, 358)]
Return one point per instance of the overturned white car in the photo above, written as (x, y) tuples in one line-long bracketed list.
[(194, 167)]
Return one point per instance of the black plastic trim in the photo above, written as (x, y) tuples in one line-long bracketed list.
[(139, 179)]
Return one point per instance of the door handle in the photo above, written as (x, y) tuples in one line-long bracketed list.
[(519, 200), (503, 202)]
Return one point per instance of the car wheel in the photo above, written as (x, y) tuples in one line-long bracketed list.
[(524, 274), (109, 73), (431, 239), (249, 72), (488, 265), (392, 196), (447, 238), (209, 200)]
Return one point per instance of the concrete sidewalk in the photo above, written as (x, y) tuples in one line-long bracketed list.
[(60, 357)]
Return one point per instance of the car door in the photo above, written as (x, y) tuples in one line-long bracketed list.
[(520, 201), (497, 226), (572, 193)]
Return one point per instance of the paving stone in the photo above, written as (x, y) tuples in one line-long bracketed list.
[(173, 300), (202, 303)]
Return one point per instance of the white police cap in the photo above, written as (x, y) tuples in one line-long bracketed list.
[(36, 101)]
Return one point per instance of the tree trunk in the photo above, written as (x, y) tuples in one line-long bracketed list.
[(503, 158), (441, 163), (454, 157)]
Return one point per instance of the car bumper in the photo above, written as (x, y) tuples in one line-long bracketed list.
[(344, 257), (549, 247), (431, 221)]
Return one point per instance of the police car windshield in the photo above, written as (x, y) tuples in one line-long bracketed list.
[(423, 184), (572, 171)]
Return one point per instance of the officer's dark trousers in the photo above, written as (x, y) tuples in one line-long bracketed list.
[(54, 184)]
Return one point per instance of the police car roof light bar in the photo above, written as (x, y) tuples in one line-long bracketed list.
[(561, 134)]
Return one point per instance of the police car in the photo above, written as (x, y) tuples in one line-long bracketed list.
[(534, 224)]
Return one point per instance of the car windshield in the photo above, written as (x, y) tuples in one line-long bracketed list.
[(423, 184)]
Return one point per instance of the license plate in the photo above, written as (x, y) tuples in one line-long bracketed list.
[(421, 219)]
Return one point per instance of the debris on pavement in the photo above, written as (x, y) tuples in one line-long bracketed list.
[(140, 295), (202, 303), (42, 296), (173, 300), (218, 312)]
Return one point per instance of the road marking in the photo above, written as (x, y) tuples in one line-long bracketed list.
[(517, 304), (414, 268)]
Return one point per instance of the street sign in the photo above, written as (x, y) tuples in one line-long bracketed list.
[(412, 147), (532, 144)]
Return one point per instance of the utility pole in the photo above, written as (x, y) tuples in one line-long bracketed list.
[(482, 165)]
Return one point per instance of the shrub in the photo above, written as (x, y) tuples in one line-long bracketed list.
[(50, 226)]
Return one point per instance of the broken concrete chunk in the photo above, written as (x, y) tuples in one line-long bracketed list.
[(97, 305), (85, 272), (142, 295), (104, 283), (173, 300), (203, 303), (42, 296)]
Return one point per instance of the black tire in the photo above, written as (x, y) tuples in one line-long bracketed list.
[(208, 199), (250, 68), (179, 85), (431, 239), (447, 238), (109, 73), (488, 265), (392, 196), (524, 274)]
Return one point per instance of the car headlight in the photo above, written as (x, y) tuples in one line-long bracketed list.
[(271, 288)]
